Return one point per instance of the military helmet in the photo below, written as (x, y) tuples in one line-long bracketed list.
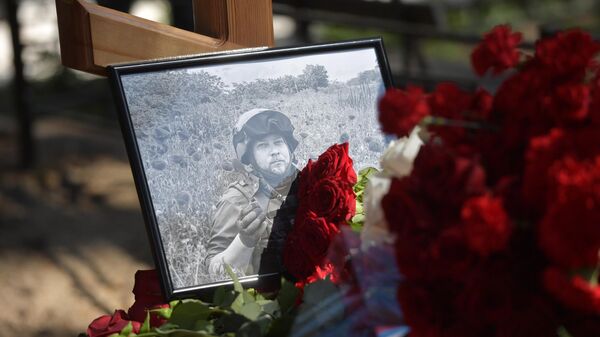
[(257, 123)]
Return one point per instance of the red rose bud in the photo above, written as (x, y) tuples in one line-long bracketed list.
[(498, 51), (148, 296), (486, 224), (107, 325), (400, 111), (574, 292)]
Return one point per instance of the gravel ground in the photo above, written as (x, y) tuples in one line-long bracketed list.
[(71, 231)]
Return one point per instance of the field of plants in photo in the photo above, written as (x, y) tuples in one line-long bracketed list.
[(183, 124)]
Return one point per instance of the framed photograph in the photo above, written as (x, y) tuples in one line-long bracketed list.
[(216, 143)]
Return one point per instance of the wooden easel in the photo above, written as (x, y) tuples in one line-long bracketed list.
[(92, 37)]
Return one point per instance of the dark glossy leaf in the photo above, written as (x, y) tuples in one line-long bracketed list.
[(249, 329), (229, 323), (223, 297), (188, 312), (288, 294)]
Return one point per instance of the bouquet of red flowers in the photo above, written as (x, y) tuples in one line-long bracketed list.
[(326, 202), (498, 225)]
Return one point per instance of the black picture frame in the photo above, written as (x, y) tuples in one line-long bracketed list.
[(123, 94)]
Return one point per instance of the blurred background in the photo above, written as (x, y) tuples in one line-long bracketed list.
[(71, 231)]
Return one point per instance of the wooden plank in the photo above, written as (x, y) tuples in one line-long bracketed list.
[(92, 37), (238, 21)]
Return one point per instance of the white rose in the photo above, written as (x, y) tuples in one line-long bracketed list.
[(398, 158), (375, 229)]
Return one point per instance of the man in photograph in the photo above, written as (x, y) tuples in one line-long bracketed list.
[(264, 144)]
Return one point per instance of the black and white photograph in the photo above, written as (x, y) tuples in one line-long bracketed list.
[(220, 140)]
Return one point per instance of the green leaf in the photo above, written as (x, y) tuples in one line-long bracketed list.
[(248, 298), (237, 304), (268, 306), (249, 329), (563, 332), (358, 218), (188, 312), (288, 294), (264, 321), (229, 323), (356, 226), (359, 209), (128, 329), (251, 310), (224, 297), (204, 326), (163, 312), (237, 286), (281, 326), (146, 325), (181, 333)]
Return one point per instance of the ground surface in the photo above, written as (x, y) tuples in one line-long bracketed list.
[(71, 231)]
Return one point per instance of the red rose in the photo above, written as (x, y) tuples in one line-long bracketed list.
[(486, 224), (567, 53), (400, 111), (334, 162), (295, 259), (498, 51), (317, 234), (107, 325), (573, 291), (148, 296), (333, 199), (569, 233)]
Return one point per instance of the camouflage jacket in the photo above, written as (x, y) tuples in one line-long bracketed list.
[(229, 209)]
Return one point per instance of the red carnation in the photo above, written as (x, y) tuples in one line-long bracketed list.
[(568, 103), (569, 233), (482, 103), (451, 103), (400, 111), (594, 110), (573, 291), (498, 51), (567, 53), (107, 325), (445, 179), (486, 224)]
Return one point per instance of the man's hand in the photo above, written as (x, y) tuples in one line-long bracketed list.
[(252, 224)]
